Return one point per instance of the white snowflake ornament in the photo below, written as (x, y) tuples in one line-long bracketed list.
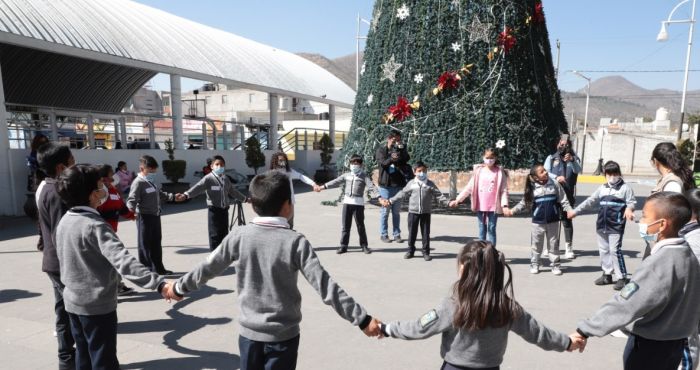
[(362, 70), (456, 47), (370, 99), (500, 144), (403, 12), (418, 78)]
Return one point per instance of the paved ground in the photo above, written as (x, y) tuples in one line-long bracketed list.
[(201, 332)]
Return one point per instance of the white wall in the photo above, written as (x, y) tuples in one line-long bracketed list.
[(623, 149)]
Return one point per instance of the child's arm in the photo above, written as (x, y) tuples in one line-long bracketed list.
[(197, 188), (217, 261), (371, 188), (538, 334), (589, 202), (134, 196), (631, 201), (562, 199), (403, 192), (334, 182), (517, 209), (298, 176), (505, 196), (467, 192), (439, 195), (433, 322)]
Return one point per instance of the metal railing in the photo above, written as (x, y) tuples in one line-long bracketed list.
[(306, 138)]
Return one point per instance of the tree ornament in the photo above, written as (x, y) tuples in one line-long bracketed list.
[(402, 110), (370, 99), (447, 81), (390, 68), (478, 31), (403, 12), (455, 4), (538, 15), (500, 144), (506, 40), (456, 46), (362, 70), (418, 78)]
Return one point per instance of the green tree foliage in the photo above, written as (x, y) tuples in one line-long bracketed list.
[(326, 146), (510, 96), (254, 157)]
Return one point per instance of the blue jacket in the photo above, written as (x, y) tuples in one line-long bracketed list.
[(548, 201), (613, 201)]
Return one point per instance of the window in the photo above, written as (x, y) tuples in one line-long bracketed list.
[(224, 99)]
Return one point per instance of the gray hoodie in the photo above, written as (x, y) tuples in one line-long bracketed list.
[(145, 197), (421, 196), (218, 189), (477, 348)]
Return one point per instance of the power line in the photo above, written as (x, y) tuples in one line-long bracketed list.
[(640, 71)]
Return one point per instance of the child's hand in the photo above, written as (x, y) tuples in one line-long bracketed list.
[(508, 212), (169, 294), (373, 329), (318, 188), (578, 342), (570, 214), (179, 197), (453, 204), (629, 214)]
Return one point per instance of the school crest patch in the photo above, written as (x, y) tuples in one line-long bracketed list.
[(428, 318), (629, 290)]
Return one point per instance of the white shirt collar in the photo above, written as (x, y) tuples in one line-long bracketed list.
[(280, 222), (667, 243), (86, 208)]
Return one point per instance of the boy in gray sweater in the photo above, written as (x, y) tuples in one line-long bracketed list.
[(421, 192), (268, 257), (658, 308), (691, 233), (92, 258)]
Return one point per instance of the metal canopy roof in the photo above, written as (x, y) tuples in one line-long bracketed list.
[(118, 44)]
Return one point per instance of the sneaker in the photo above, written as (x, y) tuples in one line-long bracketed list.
[(545, 253), (620, 283), (569, 252), (342, 249), (398, 239), (427, 257), (124, 290), (605, 279), (408, 255), (385, 239), (534, 269), (556, 270), (367, 250)]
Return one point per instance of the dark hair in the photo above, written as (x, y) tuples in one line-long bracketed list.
[(269, 192), (209, 161), (76, 183), (612, 168), (50, 155), (148, 162), (120, 164), (355, 158), (693, 197), (483, 300), (105, 169), (38, 140), (529, 195), (668, 155), (495, 153), (217, 158), (419, 164), (394, 133), (274, 161), (671, 206)]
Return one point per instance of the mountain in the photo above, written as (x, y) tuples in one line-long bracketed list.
[(342, 67)]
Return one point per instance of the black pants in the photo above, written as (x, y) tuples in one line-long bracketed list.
[(350, 210), (448, 366), (149, 237), (414, 221), (95, 341), (568, 230), (66, 352), (218, 226), (268, 355), (642, 353)]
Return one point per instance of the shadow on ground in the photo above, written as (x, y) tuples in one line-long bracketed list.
[(11, 295)]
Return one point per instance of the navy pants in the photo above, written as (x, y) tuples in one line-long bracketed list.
[(642, 353), (350, 210), (95, 341), (448, 366), (66, 352), (268, 355), (149, 238), (416, 220), (218, 225)]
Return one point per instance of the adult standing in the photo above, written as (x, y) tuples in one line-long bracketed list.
[(564, 166), (123, 178), (392, 159)]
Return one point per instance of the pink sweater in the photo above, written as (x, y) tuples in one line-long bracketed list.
[(472, 188)]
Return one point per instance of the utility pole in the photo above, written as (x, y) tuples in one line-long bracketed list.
[(556, 71)]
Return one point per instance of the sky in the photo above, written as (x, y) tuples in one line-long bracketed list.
[(595, 35)]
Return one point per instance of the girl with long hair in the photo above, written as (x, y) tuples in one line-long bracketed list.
[(280, 162), (676, 175)]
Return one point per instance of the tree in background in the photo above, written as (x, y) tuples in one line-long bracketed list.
[(457, 77), (254, 157)]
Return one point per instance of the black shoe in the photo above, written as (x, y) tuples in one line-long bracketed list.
[(408, 255), (398, 239), (620, 283), (427, 257), (124, 290), (385, 239), (366, 249), (342, 249), (604, 280)]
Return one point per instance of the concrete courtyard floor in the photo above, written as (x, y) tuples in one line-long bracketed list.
[(201, 332)]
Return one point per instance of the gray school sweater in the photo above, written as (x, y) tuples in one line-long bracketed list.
[(355, 186), (478, 348), (218, 189), (145, 197), (660, 302), (92, 257), (268, 258), (421, 196)]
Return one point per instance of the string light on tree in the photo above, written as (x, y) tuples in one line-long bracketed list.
[(375, 20)]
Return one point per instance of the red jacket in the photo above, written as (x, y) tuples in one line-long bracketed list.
[(113, 208)]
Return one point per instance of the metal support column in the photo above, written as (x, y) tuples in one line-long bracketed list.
[(54, 127), (272, 134), (331, 123), (91, 131), (176, 111)]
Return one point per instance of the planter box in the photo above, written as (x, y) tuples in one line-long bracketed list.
[(175, 187)]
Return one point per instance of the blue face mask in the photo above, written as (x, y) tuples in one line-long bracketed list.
[(219, 170), (355, 168), (150, 177), (644, 233), (422, 176)]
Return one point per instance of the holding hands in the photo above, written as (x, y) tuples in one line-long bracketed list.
[(453, 204), (384, 202), (318, 188), (507, 212), (179, 197), (373, 329), (168, 292), (578, 342), (629, 214), (570, 214)]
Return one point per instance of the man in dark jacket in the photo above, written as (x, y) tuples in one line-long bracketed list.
[(392, 159)]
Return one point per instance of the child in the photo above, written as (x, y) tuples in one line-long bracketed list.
[(616, 200), (144, 199), (489, 185), (219, 190), (92, 259), (53, 159), (421, 191), (659, 306), (476, 318), (269, 257), (546, 198), (280, 162), (691, 233), (124, 177), (353, 202)]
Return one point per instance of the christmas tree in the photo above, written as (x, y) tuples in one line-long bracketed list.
[(456, 77)]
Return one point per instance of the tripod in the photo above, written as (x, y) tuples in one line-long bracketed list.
[(237, 215)]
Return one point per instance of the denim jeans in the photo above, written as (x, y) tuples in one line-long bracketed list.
[(268, 355), (487, 226), (386, 193)]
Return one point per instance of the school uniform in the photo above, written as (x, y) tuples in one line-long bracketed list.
[(354, 205), (549, 200), (420, 204), (691, 233), (613, 201), (658, 308), (144, 199), (219, 190), (113, 207)]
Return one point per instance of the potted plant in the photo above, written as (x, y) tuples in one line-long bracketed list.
[(174, 170), (254, 157), (326, 172)]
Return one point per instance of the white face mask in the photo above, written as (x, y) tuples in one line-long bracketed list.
[(612, 180), (355, 168), (643, 232), (489, 161)]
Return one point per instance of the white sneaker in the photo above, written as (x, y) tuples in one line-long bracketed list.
[(545, 253), (569, 252), (556, 271), (534, 269)]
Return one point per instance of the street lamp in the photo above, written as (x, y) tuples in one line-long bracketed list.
[(585, 115), (357, 49), (663, 36)]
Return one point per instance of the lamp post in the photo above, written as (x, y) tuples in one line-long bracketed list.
[(585, 116), (663, 36), (357, 49)]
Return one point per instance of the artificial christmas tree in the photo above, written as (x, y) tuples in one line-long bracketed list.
[(456, 77)]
